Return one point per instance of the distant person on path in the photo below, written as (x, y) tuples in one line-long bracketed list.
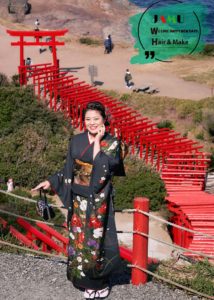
[(128, 78), (28, 61), (85, 188), (107, 45), (37, 24), (10, 186), (110, 43)]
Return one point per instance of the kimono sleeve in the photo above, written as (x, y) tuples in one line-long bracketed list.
[(61, 181), (106, 163)]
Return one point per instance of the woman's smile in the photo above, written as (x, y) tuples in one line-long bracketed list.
[(93, 128), (93, 121)]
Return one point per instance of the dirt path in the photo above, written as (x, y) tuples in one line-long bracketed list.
[(25, 277), (124, 222), (111, 68)]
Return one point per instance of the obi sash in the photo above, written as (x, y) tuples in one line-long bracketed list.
[(82, 172)]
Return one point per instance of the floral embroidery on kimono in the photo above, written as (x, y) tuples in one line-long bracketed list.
[(93, 247)]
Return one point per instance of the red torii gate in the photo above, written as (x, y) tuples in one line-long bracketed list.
[(37, 41)]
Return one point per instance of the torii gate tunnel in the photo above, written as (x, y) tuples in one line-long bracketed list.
[(39, 38)]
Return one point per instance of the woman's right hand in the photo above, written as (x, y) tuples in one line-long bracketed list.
[(43, 185), (100, 134)]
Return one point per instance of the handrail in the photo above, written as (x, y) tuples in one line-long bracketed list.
[(117, 210)]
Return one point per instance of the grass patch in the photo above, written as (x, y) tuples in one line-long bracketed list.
[(89, 41), (205, 77), (206, 52), (198, 276), (186, 116)]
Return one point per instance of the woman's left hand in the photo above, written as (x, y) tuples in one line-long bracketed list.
[(42, 185)]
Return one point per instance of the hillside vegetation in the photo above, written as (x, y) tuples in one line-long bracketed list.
[(33, 139), (193, 119)]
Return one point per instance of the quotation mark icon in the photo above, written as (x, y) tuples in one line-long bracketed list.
[(150, 54)]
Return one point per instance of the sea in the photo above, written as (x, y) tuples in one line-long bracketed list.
[(209, 17)]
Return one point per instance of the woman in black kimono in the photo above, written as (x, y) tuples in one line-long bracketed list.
[(85, 188)]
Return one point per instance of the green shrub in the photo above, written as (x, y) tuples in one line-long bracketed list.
[(15, 80), (165, 124), (89, 41), (200, 136), (3, 80), (139, 181), (125, 97), (209, 121), (34, 139), (208, 50), (198, 116), (185, 110)]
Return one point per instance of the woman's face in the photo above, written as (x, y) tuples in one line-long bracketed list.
[(93, 121)]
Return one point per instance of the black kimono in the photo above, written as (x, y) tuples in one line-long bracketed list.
[(84, 186)]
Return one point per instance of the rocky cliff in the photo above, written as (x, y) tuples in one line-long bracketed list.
[(96, 18)]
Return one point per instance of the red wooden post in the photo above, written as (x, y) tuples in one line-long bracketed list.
[(22, 72), (55, 63), (140, 243)]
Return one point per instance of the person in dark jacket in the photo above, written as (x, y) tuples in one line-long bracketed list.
[(107, 46), (110, 43), (128, 78)]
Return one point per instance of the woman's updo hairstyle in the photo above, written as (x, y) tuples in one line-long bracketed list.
[(96, 105)]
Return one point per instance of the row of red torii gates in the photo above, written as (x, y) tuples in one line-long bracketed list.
[(181, 162), (37, 38)]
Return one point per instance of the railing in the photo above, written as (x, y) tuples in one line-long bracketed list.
[(137, 257)]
